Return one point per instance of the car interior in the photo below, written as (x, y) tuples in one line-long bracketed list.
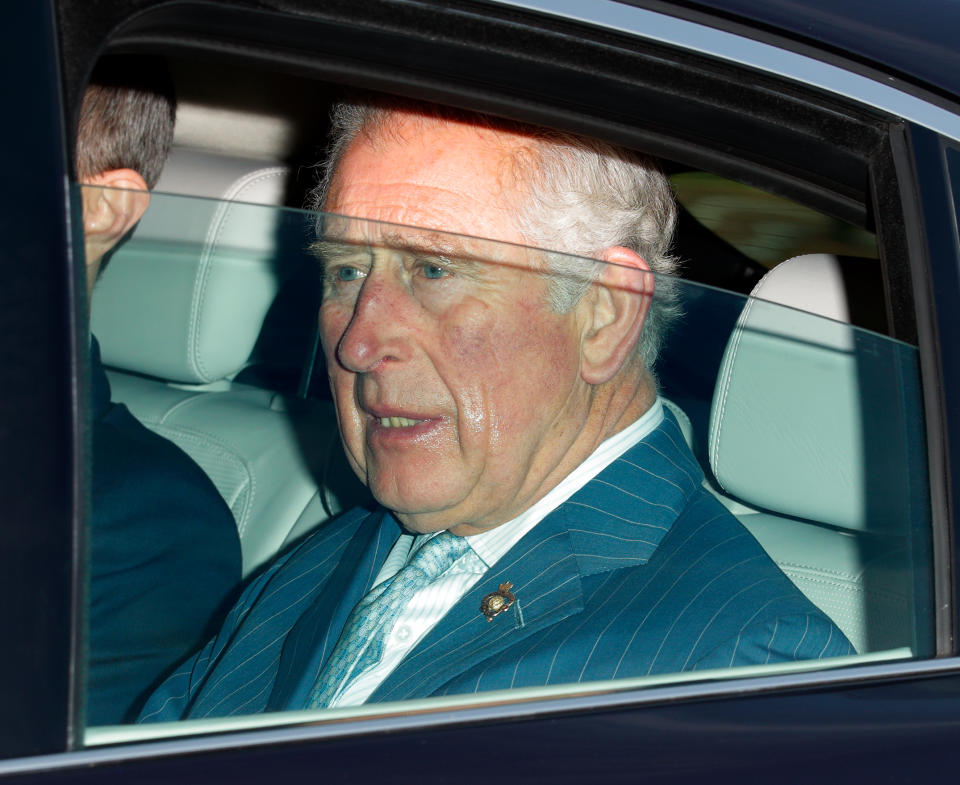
[(206, 317)]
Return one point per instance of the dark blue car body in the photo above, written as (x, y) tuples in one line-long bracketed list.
[(564, 63)]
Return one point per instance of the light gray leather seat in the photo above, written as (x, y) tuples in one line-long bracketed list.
[(816, 443), (179, 312)]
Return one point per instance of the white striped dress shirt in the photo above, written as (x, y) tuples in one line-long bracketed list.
[(431, 603)]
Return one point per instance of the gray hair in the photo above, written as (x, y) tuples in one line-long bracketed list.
[(584, 196), (126, 118)]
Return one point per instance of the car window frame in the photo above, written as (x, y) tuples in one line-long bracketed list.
[(66, 351), (800, 94), (42, 452)]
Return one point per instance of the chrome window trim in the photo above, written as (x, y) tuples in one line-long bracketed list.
[(743, 51)]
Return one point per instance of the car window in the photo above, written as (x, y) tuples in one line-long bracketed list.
[(767, 228), (768, 512)]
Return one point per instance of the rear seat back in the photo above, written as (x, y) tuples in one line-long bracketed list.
[(179, 312), (185, 298), (816, 443)]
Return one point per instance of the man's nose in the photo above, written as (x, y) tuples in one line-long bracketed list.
[(377, 332)]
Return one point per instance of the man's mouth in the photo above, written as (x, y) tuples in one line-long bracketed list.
[(398, 422)]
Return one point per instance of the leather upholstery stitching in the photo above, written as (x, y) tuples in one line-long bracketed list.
[(214, 233)]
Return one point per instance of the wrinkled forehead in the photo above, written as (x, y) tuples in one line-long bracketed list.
[(432, 186), (423, 162), (340, 236)]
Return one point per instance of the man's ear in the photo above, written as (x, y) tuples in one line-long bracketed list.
[(615, 309), (109, 213)]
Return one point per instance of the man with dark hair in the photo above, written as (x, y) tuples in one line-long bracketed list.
[(126, 119), (123, 137), (164, 549), (543, 520)]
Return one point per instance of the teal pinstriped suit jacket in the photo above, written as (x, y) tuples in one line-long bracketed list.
[(640, 572)]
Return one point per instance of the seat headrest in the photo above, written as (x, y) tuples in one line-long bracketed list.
[(812, 417), (185, 297)]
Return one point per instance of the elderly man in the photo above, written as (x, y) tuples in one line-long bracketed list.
[(544, 522)]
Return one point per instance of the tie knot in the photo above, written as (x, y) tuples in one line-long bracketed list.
[(439, 553)]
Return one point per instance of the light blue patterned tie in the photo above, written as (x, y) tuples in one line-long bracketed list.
[(375, 615)]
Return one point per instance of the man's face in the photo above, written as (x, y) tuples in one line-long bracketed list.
[(457, 388)]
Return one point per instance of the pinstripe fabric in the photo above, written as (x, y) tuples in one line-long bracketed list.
[(640, 572), (422, 610), (362, 643), (425, 608)]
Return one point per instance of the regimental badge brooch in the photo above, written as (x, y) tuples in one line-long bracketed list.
[(498, 601)]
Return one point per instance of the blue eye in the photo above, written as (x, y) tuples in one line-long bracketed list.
[(433, 271), (348, 274)]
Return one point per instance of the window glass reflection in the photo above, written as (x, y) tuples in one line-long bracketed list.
[(754, 497)]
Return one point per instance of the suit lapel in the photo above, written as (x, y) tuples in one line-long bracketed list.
[(312, 639), (619, 518), (615, 521), (546, 583)]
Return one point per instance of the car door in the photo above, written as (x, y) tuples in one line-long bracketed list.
[(40, 431), (716, 101)]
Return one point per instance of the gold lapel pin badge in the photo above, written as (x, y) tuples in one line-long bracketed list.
[(497, 601)]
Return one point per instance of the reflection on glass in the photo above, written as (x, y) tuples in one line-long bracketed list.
[(766, 227), (760, 501)]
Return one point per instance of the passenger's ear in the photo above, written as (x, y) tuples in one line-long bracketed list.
[(110, 210), (615, 309)]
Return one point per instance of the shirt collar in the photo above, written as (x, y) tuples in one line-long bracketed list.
[(491, 545)]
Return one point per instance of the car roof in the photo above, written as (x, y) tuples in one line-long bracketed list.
[(915, 41)]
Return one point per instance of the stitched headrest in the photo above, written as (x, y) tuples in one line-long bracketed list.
[(812, 417), (185, 297)]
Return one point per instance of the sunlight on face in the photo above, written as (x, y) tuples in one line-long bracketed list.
[(457, 388)]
